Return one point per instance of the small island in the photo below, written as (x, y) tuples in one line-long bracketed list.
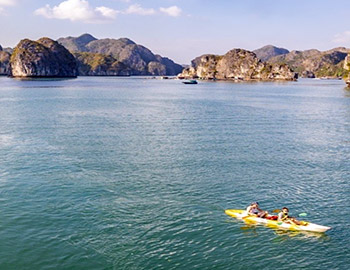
[(237, 65)]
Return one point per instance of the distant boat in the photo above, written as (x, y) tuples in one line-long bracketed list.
[(190, 82)]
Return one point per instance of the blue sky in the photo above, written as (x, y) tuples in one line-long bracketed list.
[(183, 29)]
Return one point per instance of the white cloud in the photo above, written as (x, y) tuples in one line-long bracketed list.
[(342, 38), (81, 10), (107, 12), (137, 9), (173, 11), (77, 10), (8, 2)]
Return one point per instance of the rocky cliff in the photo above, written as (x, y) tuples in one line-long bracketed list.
[(269, 51), (347, 68), (42, 58), (137, 59), (314, 63), (237, 64), (4, 62)]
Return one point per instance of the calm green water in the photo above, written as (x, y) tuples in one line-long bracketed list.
[(132, 173)]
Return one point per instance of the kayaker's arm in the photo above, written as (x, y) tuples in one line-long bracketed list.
[(281, 217), (249, 210)]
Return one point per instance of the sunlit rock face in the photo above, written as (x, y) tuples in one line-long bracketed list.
[(42, 58)]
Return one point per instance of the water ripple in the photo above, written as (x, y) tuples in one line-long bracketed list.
[(118, 173)]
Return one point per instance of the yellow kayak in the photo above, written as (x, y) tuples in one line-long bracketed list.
[(306, 226)]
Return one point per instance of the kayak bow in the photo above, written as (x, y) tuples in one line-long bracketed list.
[(307, 226)]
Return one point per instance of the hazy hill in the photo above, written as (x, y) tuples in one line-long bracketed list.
[(76, 44), (8, 49), (268, 51), (4, 62), (138, 59)]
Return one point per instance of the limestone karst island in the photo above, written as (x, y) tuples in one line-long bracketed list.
[(88, 56)]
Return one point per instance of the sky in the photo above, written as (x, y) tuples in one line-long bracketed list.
[(183, 29)]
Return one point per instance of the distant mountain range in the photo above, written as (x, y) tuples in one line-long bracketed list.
[(308, 63), (117, 57)]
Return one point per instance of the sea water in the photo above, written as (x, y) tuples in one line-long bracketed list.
[(135, 173)]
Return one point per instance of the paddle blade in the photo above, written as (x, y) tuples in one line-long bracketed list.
[(302, 215), (276, 210)]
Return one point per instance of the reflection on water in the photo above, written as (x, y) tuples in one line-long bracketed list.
[(347, 91), (43, 79), (249, 230)]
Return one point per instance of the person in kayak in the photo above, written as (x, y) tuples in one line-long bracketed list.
[(285, 217), (254, 210)]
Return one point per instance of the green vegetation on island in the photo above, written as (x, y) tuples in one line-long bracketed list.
[(96, 64)]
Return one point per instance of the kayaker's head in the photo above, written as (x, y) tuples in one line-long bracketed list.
[(254, 204), (285, 210)]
